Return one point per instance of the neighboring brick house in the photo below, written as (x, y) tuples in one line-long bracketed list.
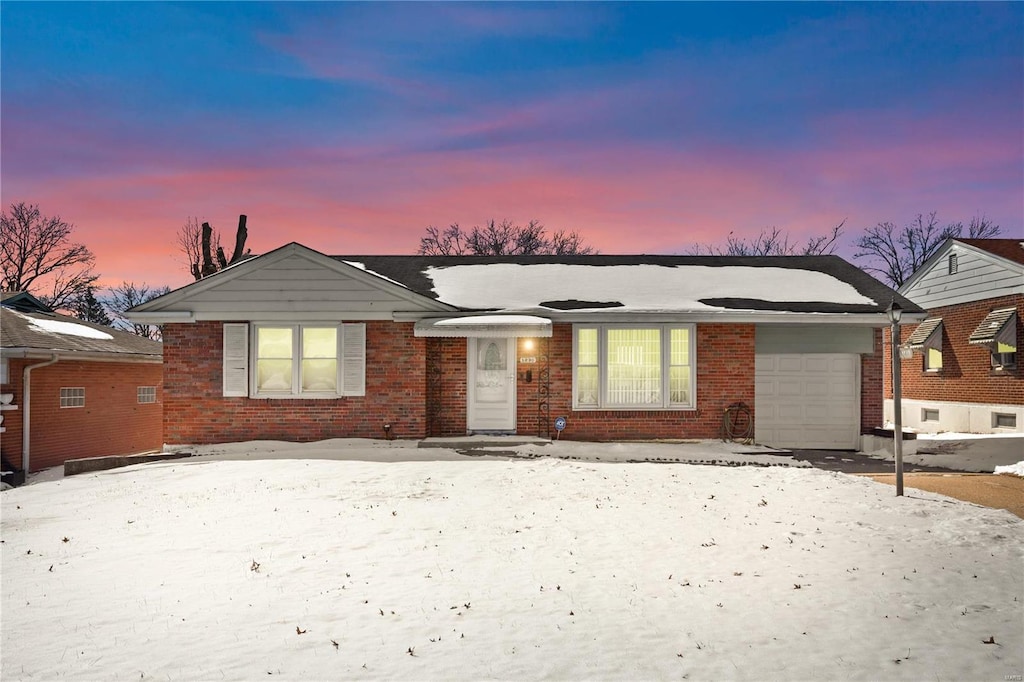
[(75, 389), (297, 345), (966, 373)]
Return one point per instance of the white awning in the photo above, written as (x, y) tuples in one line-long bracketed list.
[(484, 326)]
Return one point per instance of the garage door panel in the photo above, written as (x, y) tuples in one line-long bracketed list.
[(807, 400), (788, 363)]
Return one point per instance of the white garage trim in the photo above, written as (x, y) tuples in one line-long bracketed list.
[(807, 400)]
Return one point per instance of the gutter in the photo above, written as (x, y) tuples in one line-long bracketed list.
[(26, 400), (84, 356)]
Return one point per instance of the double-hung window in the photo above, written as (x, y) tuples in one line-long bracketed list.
[(633, 367), (318, 360)]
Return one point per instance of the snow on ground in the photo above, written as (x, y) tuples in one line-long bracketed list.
[(367, 561)]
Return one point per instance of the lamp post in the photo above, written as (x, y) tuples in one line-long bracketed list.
[(895, 312)]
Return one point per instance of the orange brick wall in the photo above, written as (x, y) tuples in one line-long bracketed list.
[(966, 374), (112, 422), (195, 412)]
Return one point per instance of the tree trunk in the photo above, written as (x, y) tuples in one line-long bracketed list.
[(240, 238), (209, 267)]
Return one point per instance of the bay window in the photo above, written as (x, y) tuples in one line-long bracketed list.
[(633, 367)]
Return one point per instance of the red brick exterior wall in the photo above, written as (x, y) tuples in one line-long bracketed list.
[(195, 412), (871, 399), (112, 422), (397, 391), (451, 373), (966, 374)]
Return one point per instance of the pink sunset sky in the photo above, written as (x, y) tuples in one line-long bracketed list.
[(646, 128)]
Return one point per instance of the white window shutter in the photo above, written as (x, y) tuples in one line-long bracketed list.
[(353, 360), (236, 359)]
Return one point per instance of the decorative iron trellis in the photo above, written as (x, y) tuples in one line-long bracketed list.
[(543, 390), (434, 387)]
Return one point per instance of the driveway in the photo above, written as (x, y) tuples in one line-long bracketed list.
[(986, 489), (857, 462)]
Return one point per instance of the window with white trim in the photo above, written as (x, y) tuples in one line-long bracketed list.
[(146, 394), (72, 397), (315, 360), (633, 367)]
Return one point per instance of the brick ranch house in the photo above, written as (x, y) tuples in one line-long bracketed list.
[(73, 389), (966, 374), (298, 345)]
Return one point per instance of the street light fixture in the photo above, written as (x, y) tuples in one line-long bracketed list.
[(895, 312)]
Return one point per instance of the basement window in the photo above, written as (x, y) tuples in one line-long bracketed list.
[(1002, 420), (146, 394), (929, 415), (72, 397)]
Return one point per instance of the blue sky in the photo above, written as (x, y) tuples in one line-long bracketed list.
[(646, 127)]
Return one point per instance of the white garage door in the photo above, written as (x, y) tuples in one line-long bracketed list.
[(808, 401)]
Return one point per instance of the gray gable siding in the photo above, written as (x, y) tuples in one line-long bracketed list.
[(295, 287), (979, 276)]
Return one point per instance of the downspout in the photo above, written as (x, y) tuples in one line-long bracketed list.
[(26, 400)]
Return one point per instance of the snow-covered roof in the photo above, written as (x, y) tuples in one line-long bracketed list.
[(642, 284), (44, 332)]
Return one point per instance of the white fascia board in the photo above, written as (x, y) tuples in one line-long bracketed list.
[(160, 318), (289, 316), (742, 317)]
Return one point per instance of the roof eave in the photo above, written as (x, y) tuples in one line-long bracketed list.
[(86, 356)]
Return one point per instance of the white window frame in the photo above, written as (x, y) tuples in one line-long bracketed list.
[(72, 397), (350, 357), (666, 357), (146, 395)]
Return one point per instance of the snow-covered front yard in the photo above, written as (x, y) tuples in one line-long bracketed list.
[(380, 562)]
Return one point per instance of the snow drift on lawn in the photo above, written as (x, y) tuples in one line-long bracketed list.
[(469, 568)]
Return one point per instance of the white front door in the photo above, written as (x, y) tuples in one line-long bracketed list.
[(491, 393)]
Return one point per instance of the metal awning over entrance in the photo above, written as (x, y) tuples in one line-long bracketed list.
[(484, 326)]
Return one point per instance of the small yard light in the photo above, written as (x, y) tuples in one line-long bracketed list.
[(895, 312)]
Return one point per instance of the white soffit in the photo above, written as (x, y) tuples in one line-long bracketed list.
[(484, 326)]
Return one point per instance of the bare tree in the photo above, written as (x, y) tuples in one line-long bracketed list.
[(201, 246), (894, 254), (501, 239), (773, 242), (36, 252), (128, 295)]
